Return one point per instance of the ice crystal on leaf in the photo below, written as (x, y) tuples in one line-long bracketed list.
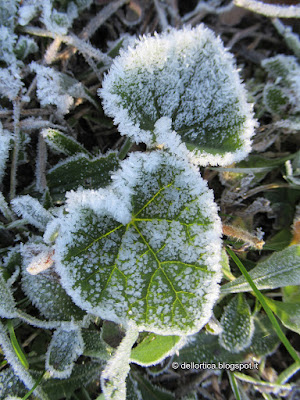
[(5, 144), (146, 249), (188, 80)]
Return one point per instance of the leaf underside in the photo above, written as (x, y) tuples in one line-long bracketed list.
[(161, 268)]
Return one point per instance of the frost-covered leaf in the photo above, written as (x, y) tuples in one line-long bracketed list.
[(237, 324), (25, 46), (8, 11), (275, 99), (45, 291), (281, 97), (280, 269), (7, 302), (113, 378), (10, 384), (82, 171), (5, 145), (49, 88), (288, 313), (94, 345), (61, 143), (65, 347), (82, 374), (180, 89), (31, 209), (146, 249), (206, 348), (155, 348), (10, 82), (7, 44), (270, 10)]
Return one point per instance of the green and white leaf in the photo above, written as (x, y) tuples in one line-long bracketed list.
[(45, 291), (94, 345), (155, 348), (281, 269), (113, 377), (288, 313), (65, 347), (146, 249), (61, 143), (81, 171), (180, 89), (31, 209), (238, 325)]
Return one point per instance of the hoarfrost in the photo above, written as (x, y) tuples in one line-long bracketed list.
[(50, 90), (65, 347), (150, 241), (30, 209), (186, 80), (5, 144)]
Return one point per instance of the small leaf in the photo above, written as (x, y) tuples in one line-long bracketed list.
[(46, 293), (237, 324), (65, 347), (146, 248), (180, 90), (59, 142), (82, 374), (276, 101), (81, 171), (280, 269), (30, 209), (155, 348), (150, 391), (288, 313), (94, 346)]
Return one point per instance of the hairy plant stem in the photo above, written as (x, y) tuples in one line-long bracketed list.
[(17, 140)]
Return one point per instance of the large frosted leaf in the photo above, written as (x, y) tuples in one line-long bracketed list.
[(181, 86), (237, 324), (280, 269), (146, 249)]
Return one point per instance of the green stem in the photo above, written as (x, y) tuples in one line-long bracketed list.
[(264, 304)]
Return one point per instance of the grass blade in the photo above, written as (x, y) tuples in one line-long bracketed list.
[(16, 346), (268, 311)]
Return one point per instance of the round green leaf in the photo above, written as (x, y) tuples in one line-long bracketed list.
[(187, 80), (145, 249)]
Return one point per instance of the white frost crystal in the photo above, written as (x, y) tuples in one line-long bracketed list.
[(186, 79), (146, 249)]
